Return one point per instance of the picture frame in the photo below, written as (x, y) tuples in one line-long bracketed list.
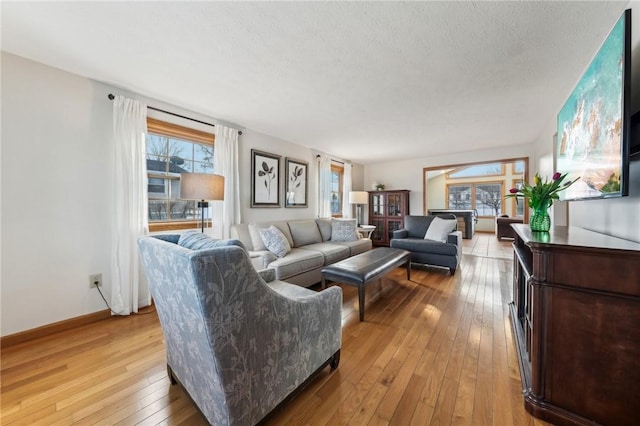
[(296, 183), (265, 179)]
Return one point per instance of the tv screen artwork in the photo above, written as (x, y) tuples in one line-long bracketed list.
[(593, 125)]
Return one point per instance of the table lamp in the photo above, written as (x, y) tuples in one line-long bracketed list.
[(201, 187), (359, 198)]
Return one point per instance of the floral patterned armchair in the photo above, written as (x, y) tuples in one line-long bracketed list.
[(237, 343)]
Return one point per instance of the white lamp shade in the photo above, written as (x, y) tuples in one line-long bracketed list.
[(201, 186), (358, 197)]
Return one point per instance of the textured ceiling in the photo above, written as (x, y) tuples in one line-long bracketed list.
[(365, 81)]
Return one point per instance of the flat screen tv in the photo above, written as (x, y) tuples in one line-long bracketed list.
[(594, 123)]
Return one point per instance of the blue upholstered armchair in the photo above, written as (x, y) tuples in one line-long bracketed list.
[(237, 343), (432, 240)]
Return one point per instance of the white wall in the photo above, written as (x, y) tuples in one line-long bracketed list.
[(255, 140), (619, 217), (57, 190), (408, 174)]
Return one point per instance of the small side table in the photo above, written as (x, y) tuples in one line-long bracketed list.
[(366, 230)]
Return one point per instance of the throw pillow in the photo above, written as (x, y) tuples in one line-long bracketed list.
[(343, 230), (275, 241), (195, 240), (439, 229)]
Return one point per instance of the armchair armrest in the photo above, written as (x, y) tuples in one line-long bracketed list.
[(267, 274), (261, 259), (400, 233), (455, 237)]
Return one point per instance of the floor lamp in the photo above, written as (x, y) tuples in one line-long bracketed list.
[(359, 198), (202, 187)]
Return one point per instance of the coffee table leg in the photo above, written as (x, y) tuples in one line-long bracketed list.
[(409, 270), (361, 300)]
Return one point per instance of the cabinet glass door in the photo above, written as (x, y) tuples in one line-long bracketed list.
[(378, 233), (394, 225), (394, 204), (377, 205)]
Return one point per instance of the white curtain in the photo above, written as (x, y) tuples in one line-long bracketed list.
[(346, 188), (324, 186), (130, 220), (225, 162)]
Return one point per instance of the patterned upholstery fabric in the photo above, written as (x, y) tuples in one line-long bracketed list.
[(238, 345), (275, 241), (343, 230), (195, 240)]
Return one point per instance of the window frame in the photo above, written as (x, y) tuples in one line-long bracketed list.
[(340, 170), (458, 169), (514, 201), (171, 130), (472, 185)]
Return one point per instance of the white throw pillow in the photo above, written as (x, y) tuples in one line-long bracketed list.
[(343, 230), (439, 229), (275, 241)]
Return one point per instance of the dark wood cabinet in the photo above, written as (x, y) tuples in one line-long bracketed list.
[(387, 210), (576, 319)]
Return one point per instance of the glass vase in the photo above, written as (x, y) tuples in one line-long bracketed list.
[(540, 221)]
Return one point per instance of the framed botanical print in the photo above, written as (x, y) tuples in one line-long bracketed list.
[(265, 179), (297, 183)]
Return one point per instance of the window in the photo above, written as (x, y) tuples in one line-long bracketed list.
[(460, 197), (518, 167), (485, 197), (336, 190), (488, 199), (477, 170), (171, 151), (518, 204)]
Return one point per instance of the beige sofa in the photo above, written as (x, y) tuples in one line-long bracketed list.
[(311, 248)]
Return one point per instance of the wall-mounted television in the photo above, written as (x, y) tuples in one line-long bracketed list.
[(634, 143), (594, 123)]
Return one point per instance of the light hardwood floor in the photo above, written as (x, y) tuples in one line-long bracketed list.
[(436, 350)]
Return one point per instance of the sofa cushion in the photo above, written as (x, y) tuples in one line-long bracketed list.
[(275, 241), (425, 246), (417, 226), (357, 246), (195, 240), (256, 238), (439, 229), (297, 261), (343, 230), (304, 232), (332, 252), (324, 225)]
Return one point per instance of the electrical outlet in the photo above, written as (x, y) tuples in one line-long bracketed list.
[(95, 280)]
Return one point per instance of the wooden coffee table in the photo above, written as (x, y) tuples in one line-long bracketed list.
[(365, 268)]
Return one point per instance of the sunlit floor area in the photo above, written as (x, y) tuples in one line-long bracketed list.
[(434, 350), (487, 245)]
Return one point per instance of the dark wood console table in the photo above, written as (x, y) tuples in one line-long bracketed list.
[(576, 318)]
